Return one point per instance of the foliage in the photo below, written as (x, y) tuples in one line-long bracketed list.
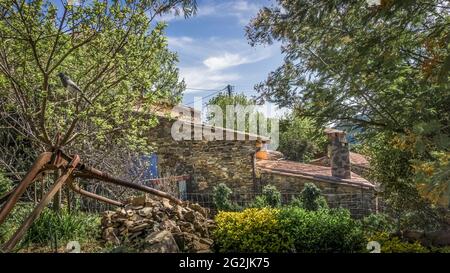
[(115, 53), (63, 226), (301, 139), (270, 197), (52, 227), (375, 223), (252, 230), (382, 68), (310, 198), (391, 167), (221, 198), (14, 220), (287, 230), (5, 184), (393, 244), (250, 120), (322, 230), (222, 100)]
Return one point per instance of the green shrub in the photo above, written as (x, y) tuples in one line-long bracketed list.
[(252, 230), (5, 184), (375, 223), (393, 244), (221, 198), (270, 197), (288, 230), (310, 198), (322, 230)]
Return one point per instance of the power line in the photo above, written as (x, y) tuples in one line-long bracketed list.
[(212, 94), (202, 89)]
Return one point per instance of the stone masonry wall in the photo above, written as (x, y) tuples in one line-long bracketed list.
[(359, 200), (207, 162)]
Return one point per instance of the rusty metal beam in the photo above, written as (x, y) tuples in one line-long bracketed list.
[(79, 190), (8, 246), (89, 172), (14, 196)]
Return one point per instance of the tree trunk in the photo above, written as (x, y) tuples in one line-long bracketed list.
[(57, 198)]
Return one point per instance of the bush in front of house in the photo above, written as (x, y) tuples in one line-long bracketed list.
[(310, 198), (222, 200), (270, 197), (254, 230), (322, 230), (288, 230)]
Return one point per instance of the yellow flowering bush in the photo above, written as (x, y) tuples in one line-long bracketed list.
[(252, 230), (287, 230)]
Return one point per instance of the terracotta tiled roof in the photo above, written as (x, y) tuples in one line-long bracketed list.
[(359, 159), (309, 171), (355, 159)]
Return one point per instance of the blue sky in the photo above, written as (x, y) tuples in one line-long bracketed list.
[(213, 50)]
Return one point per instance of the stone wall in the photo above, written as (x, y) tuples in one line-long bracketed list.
[(207, 162), (359, 200)]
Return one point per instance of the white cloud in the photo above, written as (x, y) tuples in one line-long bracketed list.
[(211, 63), (180, 41), (224, 61), (204, 78)]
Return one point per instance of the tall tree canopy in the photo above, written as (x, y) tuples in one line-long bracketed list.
[(383, 67), (115, 51)]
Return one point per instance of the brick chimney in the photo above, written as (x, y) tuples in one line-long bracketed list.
[(339, 154)]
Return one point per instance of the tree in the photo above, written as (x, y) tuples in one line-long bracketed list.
[(301, 139), (383, 68), (223, 100), (116, 54), (246, 116)]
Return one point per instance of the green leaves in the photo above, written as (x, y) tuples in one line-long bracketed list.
[(383, 70), (111, 50)]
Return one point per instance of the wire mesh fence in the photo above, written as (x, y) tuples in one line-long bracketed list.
[(358, 204)]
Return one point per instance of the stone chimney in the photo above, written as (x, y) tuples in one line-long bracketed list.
[(339, 154)]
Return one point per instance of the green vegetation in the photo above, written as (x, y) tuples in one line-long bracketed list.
[(253, 230), (301, 139), (383, 70), (310, 198), (287, 230), (392, 244), (221, 198), (270, 197), (5, 184), (52, 227)]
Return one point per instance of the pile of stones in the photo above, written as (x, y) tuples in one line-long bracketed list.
[(157, 225)]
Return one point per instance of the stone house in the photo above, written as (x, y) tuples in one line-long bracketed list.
[(241, 164)]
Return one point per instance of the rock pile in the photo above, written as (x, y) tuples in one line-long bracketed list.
[(159, 225)]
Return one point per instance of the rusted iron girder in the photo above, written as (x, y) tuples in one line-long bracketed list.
[(79, 190), (58, 160), (89, 172), (14, 196), (8, 246)]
